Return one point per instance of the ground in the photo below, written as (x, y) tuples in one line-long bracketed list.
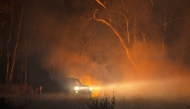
[(62, 101)]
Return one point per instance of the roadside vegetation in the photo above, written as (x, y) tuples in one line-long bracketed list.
[(105, 102), (67, 101), (100, 41)]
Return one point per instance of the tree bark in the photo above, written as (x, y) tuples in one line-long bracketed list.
[(16, 46)]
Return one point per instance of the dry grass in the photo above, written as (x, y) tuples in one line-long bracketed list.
[(19, 97), (62, 101), (105, 102)]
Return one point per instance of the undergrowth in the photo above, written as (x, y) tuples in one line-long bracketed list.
[(6, 103), (105, 102)]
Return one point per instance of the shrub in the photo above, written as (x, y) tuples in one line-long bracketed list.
[(15, 89), (188, 106), (5, 103), (105, 102)]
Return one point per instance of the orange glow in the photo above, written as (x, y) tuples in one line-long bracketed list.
[(93, 83), (123, 81), (118, 68), (163, 88)]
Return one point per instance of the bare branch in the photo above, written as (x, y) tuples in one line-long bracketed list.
[(152, 2), (120, 39), (8, 46), (127, 27), (99, 73), (90, 38), (15, 49), (1, 47), (99, 2), (171, 20)]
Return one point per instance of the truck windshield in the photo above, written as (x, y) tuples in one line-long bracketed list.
[(77, 82)]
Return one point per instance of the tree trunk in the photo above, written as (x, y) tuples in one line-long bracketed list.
[(16, 46), (8, 48)]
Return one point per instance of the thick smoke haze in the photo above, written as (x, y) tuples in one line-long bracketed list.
[(78, 47), (68, 41), (73, 45)]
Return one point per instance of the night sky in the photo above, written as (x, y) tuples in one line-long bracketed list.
[(64, 38)]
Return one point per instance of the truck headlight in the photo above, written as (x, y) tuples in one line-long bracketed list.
[(76, 88)]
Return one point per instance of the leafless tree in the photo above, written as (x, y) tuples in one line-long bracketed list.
[(16, 46), (1, 47), (123, 19), (8, 45), (85, 41)]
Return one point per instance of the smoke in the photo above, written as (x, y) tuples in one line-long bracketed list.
[(157, 88), (69, 44)]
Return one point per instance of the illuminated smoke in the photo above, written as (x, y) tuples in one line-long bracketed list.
[(103, 61)]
